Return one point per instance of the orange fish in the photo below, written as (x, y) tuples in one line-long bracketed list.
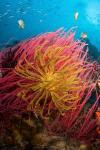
[(98, 130), (98, 120), (98, 83)]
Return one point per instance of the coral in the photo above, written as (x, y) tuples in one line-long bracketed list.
[(10, 104), (48, 74), (52, 73), (78, 124)]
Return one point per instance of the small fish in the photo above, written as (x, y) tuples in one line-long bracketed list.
[(18, 11), (98, 83), (7, 5), (24, 12), (0, 74), (98, 120), (83, 35), (21, 24), (20, 3), (38, 11), (8, 10), (41, 20), (11, 17), (5, 13), (28, 7), (76, 15)]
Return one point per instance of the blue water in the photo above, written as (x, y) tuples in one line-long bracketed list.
[(42, 16)]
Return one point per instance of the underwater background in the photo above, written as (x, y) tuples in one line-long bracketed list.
[(49, 83), (41, 16)]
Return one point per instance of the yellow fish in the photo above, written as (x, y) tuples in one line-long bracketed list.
[(76, 15), (83, 35), (21, 24)]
